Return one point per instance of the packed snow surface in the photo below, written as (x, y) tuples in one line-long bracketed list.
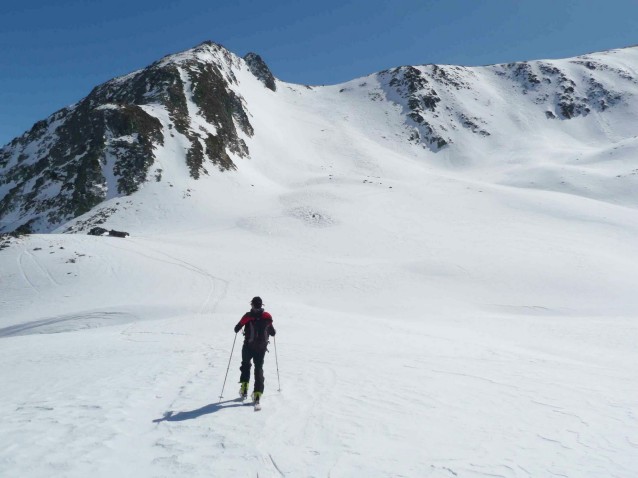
[(466, 313)]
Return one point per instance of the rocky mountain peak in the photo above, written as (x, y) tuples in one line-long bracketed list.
[(104, 146)]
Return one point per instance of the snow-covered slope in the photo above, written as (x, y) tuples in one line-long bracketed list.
[(564, 125), (463, 307)]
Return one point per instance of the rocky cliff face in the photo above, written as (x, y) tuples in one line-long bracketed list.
[(259, 68), (106, 145)]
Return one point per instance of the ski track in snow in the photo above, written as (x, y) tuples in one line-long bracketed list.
[(215, 282), (44, 270), (54, 324), (23, 273)]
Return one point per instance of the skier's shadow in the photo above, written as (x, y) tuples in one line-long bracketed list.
[(171, 416)]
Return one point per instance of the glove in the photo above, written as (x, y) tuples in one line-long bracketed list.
[(237, 328)]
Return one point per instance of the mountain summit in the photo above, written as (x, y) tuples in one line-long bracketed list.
[(105, 145), (193, 115)]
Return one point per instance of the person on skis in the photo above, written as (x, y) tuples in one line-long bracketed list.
[(258, 328)]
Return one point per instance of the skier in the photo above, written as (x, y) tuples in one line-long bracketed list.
[(258, 328)]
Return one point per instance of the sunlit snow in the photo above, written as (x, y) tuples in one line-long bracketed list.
[(470, 312)]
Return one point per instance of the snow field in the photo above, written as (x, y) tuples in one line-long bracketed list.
[(376, 378)]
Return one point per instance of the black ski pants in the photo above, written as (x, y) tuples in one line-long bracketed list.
[(249, 353)]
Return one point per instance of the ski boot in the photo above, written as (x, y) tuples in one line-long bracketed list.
[(256, 396), (243, 390)]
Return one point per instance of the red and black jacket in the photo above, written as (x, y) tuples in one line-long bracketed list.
[(258, 328)]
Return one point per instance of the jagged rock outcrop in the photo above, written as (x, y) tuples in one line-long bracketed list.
[(434, 98), (566, 94), (429, 96), (417, 89), (259, 68)]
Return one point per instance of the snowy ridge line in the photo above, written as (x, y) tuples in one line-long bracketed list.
[(483, 122)]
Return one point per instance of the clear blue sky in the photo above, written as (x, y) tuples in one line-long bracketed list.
[(52, 53)]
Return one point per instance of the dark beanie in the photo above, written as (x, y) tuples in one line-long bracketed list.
[(256, 302)]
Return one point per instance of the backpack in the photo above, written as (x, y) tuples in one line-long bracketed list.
[(256, 332)]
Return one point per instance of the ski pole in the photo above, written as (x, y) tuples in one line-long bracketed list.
[(228, 368), (277, 362)]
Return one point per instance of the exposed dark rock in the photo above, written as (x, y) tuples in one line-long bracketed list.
[(565, 95), (409, 79), (259, 68), (413, 85), (71, 158), (451, 76), (114, 233), (600, 97), (97, 231), (470, 123), (524, 72), (221, 107), (7, 239), (598, 66), (548, 69)]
